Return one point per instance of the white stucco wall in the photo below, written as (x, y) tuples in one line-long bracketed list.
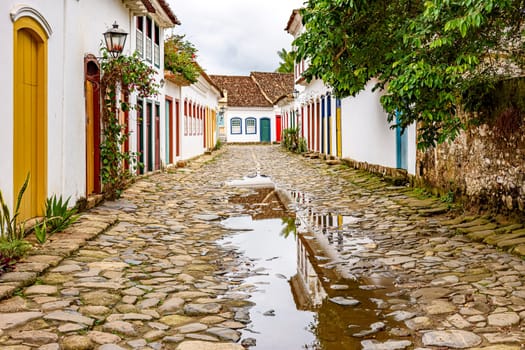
[(77, 28), (243, 114), (205, 95), (84, 27), (366, 133)]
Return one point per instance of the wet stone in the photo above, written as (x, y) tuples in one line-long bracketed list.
[(200, 345), (388, 345), (418, 323), (345, 301), (192, 328), (202, 309), (456, 339), (225, 333)]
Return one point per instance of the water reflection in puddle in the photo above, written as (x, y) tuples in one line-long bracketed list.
[(274, 264), (303, 295)]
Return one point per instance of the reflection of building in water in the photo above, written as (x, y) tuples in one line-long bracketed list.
[(262, 203), (306, 285)]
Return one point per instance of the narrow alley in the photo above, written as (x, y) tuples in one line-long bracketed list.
[(159, 269)]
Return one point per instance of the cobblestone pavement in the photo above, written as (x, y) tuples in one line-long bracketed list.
[(144, 272)]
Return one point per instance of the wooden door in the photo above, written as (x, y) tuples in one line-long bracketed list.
[(265, 130), (278, 128), (149, 138), (30, 116), (177, 128), (157, 136), (169, 130), (140, 137), (338, 125), (92, 95)]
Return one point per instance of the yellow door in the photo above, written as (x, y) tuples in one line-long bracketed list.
[(30, 116), (338, 135)]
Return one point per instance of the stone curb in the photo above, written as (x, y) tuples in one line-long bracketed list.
[(501, 231)]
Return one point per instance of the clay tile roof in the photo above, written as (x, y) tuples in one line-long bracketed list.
[(151, 9), (274, 86), (242, 91), (169, 12), (290, 21)]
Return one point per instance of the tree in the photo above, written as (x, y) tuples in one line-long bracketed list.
[(426, 55), (287, 61), (179, 58)]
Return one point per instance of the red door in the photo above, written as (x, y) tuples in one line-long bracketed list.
[(278, 128), (177, 128)]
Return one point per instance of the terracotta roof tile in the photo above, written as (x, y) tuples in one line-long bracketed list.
[(242, 91), (290, 21), (274, 86), (165, 6)]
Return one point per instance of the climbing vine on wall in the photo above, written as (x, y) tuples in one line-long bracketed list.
[(121, 77)]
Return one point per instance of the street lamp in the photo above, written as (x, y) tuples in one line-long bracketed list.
[(115, 38)]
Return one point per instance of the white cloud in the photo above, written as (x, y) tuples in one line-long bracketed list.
[(236, 37)]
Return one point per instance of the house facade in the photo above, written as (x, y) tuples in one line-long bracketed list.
[(252, 113), (51, 115), (199, 116), (353, 127)]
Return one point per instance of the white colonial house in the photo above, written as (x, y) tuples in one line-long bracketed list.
[(51, 73), (353, 127), (252, 113), (195, 123)]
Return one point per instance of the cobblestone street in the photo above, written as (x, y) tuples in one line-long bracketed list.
[(145, 272)]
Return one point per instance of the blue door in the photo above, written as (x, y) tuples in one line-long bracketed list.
[(401, 147)]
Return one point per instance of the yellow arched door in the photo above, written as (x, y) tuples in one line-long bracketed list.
[(30, 115)]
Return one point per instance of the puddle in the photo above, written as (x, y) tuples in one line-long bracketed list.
[(304, 294)]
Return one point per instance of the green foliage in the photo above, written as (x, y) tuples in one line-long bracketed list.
[(10, 229), (14, 249), (12, 243), (41, 232), (287, 61), (292, 141), (426, 55), (218, 144), (121, 77), (58, 216), (289, 227), (448, 197), (179, 57)]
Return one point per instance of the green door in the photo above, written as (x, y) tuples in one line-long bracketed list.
[(265, 130)]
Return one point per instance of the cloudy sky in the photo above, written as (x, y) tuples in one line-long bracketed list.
[(235, 37)]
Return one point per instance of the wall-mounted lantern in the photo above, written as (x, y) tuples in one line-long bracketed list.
[(115, 38)]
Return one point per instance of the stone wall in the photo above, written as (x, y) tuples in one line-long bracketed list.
[(485, 165)]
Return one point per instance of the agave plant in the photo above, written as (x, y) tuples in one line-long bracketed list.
[(10, 229), (12, 243), (58, 216)]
